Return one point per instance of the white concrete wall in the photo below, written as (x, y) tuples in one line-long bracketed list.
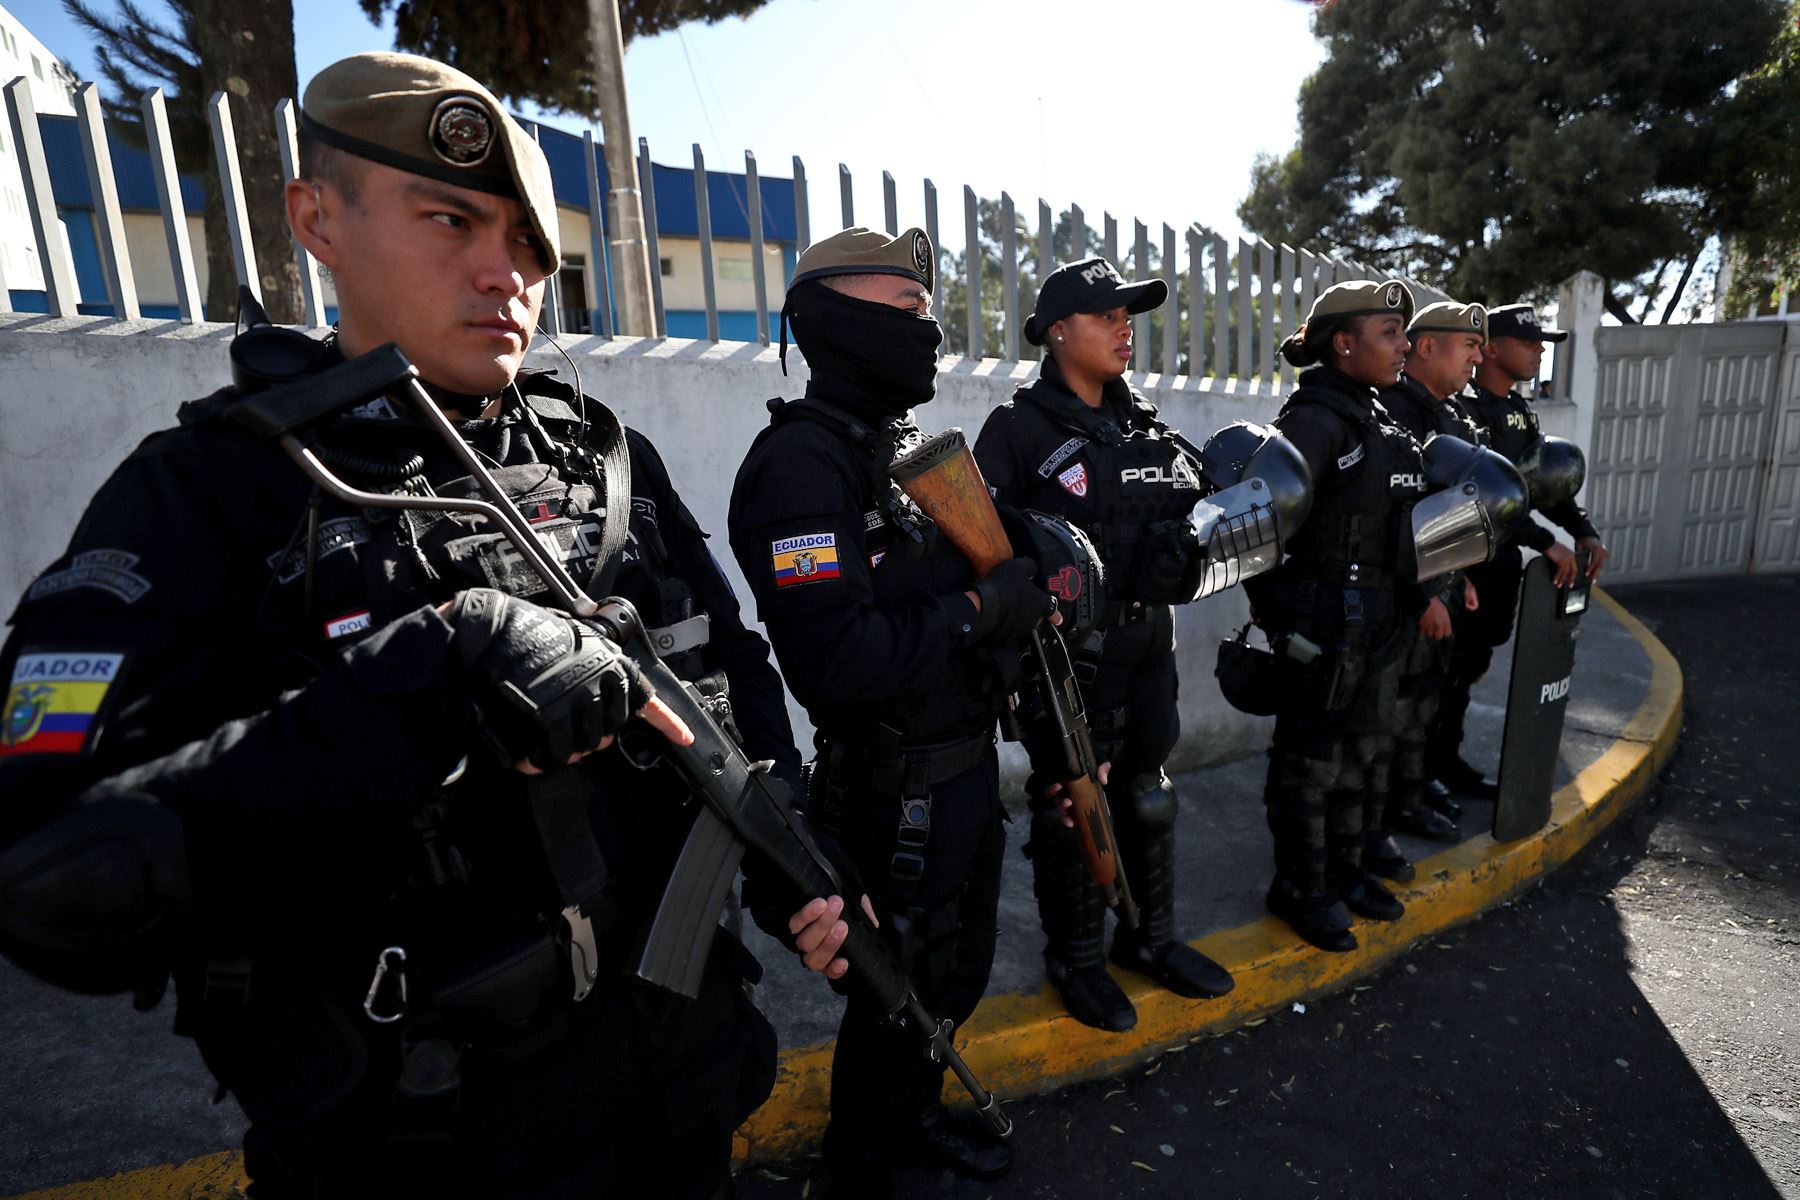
[(76, 395)]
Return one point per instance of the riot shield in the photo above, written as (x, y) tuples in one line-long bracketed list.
[(1538, 696)]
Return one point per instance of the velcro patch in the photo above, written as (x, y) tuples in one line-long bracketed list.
[(107, 571), (1351, 459), (1048, 467), (54, 698), (1074, 480), (348, 624), (804, 558)]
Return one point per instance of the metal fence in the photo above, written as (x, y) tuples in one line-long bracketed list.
[(1234, 301)]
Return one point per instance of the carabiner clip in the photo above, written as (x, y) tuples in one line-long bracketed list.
[(397, 955)]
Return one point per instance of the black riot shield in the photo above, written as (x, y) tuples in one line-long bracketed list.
[(1538, 696)]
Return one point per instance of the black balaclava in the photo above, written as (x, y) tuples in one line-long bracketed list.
[(875, 358)]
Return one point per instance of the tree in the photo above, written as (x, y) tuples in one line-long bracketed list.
[(244, 48), (536, 50), (1498, 146), (1761, 214)]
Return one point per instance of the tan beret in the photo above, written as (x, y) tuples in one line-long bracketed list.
[(417, 115), (859, 251), (1361, 298), (1447, 316)]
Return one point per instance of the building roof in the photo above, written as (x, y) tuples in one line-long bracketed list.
[(676, 209)]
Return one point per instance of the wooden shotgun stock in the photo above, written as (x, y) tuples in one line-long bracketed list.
[(943, 479)]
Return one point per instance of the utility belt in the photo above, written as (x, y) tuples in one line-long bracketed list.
[(1125, 612), (885, 770), (1339, 671), (1351, 574)]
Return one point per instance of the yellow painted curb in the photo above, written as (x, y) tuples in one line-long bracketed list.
[(1022, 1042)]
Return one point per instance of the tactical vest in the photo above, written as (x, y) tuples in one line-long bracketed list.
[(1118, 483), (1354, 532), (1509, 421)]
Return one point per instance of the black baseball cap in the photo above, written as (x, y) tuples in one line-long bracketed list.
[(1089, 286), (1518, 321)]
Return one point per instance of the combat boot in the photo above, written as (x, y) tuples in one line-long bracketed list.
[(1382, 857), (1072, 908), (1318, 917), (1465, 780), (959, 1141), (1438, 796), (1363, 895), (1425, 822), (1151, 948)]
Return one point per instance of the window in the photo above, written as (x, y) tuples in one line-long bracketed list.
[(571, 295), (37, 66), (668, 267), (735, 269)]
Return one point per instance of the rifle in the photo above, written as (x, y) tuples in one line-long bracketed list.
[(942, 477), (744, 808)]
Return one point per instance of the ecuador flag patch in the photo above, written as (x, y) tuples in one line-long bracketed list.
[(804, 558), (54, 699)]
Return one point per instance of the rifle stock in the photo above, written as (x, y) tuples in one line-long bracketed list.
[(944, 480)]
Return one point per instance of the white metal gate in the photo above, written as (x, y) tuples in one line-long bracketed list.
[(1695, 467)]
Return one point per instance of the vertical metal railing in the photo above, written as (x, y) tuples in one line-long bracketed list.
[(109, 221), (802, 210), (972, 265), (759, 273), (1009, 279), (1265, 357), (1171, 342), (703, 219), (1221, 365), (174, 210), (1254, 301), (550, 316), (1196, 305), (60, 291), (599, 265), (231, 184), (937, 245), (652, 242), (312, 293)]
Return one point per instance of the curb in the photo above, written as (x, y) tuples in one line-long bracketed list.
[(1023, 1042)]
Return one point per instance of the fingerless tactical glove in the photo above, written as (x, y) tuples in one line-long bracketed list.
[(547, 685)]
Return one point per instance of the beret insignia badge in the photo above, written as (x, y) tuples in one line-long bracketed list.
[(921, 251), (1475, 319), (462, 133), (1393, 295)]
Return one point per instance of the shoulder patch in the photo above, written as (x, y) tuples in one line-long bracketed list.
[(53, 700), (1351, 459), (108, 571), (1060, 456), (804, 558), (1074, 480)]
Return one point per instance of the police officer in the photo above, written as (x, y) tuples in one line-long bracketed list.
[(1447, 338), (1514, 351), (335, 743), (1080, 443), (899, 657), (1342, 590)]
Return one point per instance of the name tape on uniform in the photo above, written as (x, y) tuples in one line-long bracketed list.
[(53, 700), (804, 558)]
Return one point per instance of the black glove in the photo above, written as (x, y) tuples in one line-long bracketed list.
[(1169, 564), (1013, 601), (547, 685)]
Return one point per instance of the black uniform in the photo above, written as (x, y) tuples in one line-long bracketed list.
[(1510, 428), (1424, 663), (863, 601), (1334, 732), (297, 701), (1125, 478)]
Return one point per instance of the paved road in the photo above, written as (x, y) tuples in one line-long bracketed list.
[(1629, 1029)]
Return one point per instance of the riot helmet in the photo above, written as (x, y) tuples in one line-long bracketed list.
[(1262, 493), (1070, 568), (1554, 469), (1477, 502)]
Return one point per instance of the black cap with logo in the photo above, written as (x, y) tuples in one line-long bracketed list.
[(1518, 321), (1089, 286)]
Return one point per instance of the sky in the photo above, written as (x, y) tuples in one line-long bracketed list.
[(1153, 109)]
